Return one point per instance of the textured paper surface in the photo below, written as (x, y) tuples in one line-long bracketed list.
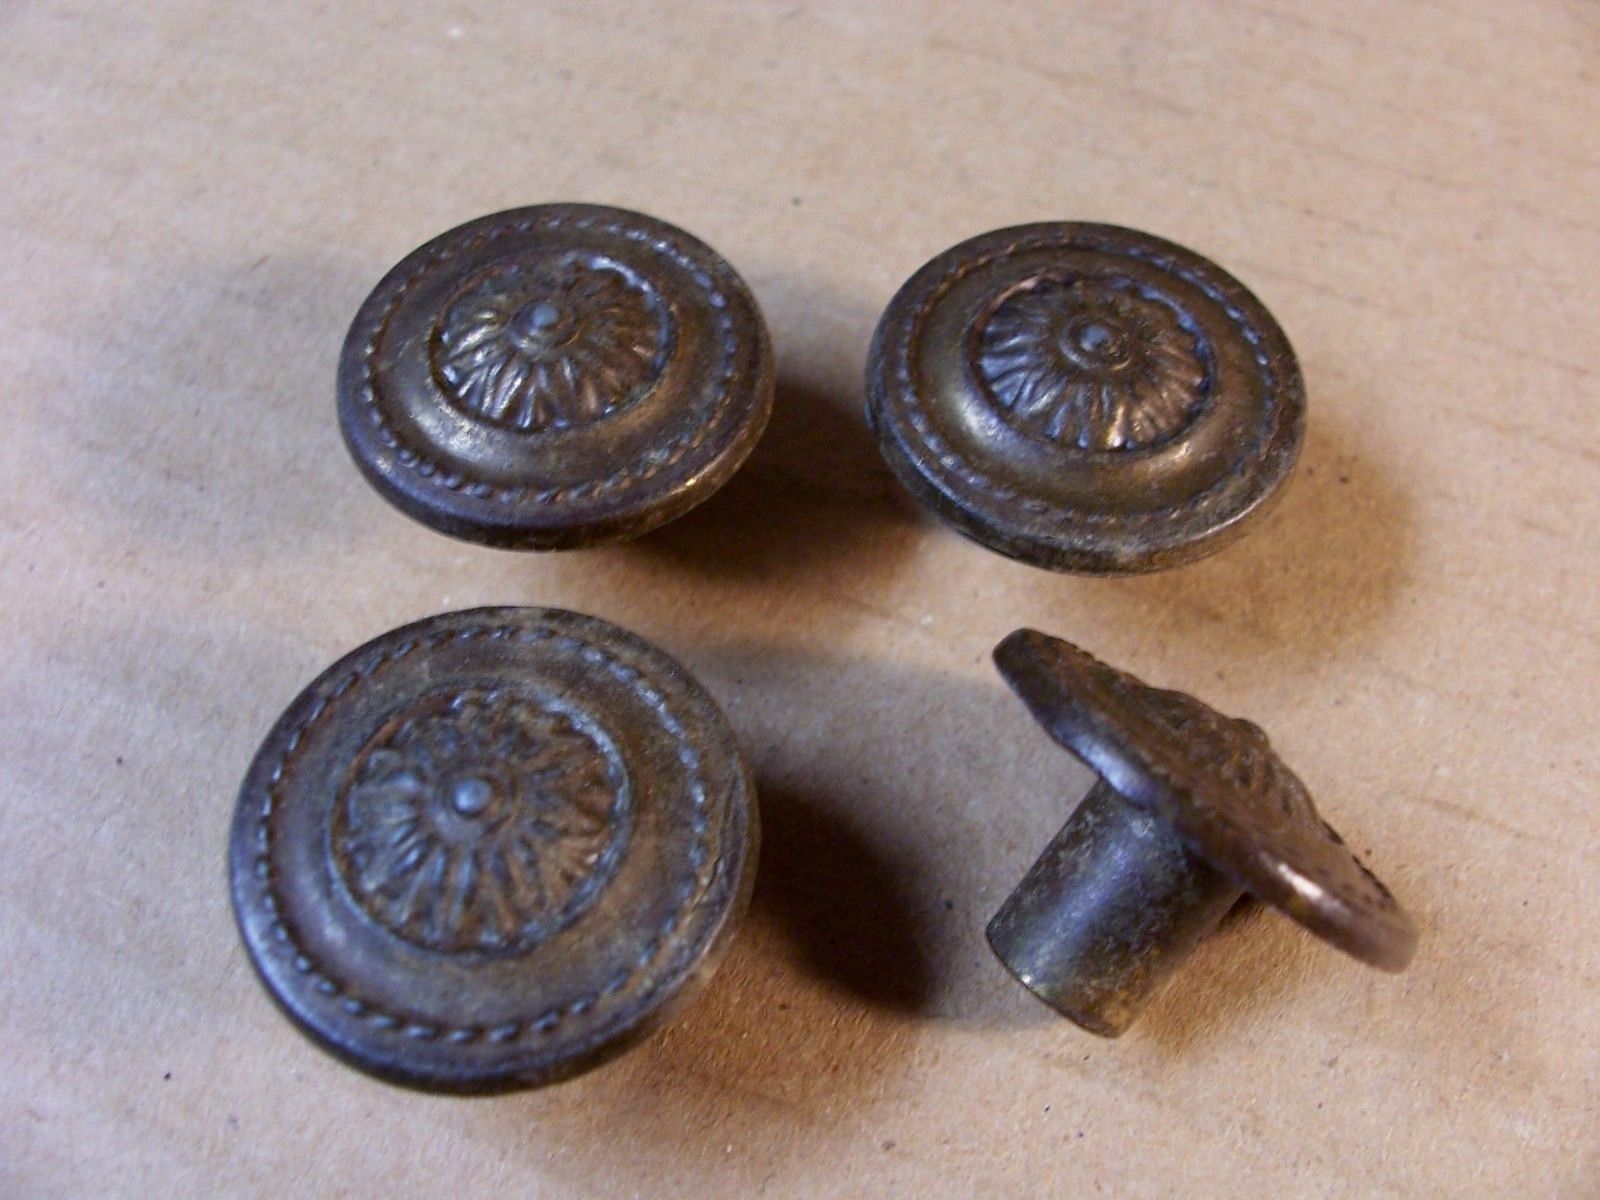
[(195, 199)]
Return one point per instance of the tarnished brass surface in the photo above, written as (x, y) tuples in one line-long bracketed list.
[(492, 848), (1192, 809), (1111, 908), (1085, 398), (555, 376)]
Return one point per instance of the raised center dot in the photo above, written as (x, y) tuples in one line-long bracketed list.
[(471, 796), (1094, 337), (536, 318)]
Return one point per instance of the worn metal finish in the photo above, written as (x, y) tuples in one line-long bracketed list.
[(1112, 906), (1192, 809), (555, 376), (1085, 398), (492, 849)]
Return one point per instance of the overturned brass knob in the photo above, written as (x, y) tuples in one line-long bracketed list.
[(1191, 810)]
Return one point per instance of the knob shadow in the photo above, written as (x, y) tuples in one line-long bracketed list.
[(814, 501)]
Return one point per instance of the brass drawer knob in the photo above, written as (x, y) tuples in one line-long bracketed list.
[(492, 848), (555, 376), (1085, 398), (1192, 809)]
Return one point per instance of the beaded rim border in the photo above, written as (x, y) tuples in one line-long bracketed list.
[(380, 1022), (895, 361), (699, 261)]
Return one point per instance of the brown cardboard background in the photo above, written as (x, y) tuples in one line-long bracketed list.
[(196, 197)]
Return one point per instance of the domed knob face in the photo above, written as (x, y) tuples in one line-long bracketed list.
[(490, 849), (1085, 398), (555, 376)]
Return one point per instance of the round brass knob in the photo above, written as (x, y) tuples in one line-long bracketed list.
[(492, 848), (1085, 398), (555, 376)]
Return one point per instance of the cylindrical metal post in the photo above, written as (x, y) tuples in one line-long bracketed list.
[(1112, 907)]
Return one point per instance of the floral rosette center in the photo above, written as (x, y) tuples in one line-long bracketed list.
[(550, 344), (480, 820), (1092, 363)]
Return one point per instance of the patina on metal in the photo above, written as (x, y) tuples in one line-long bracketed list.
[(555, 376), (1192, 809), (492, 849), (1085, 398)]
